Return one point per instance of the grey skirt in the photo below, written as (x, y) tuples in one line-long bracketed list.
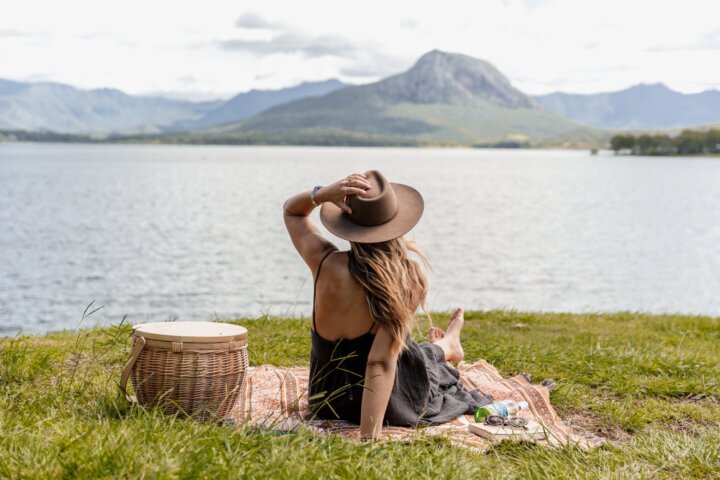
[(427, 391)]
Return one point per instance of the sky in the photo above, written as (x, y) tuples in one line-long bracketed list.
[(217, 48)]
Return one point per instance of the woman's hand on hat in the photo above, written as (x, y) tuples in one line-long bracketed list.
[(355, 184)]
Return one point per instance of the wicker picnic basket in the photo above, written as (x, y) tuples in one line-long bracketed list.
[(193, 368)]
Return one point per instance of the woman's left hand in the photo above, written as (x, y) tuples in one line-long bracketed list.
[(355, 184)]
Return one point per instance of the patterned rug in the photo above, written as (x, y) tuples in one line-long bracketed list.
[(276, 398)]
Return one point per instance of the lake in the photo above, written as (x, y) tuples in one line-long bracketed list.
[(196, 232)]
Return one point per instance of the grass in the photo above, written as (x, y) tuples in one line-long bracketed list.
[(648, 383)]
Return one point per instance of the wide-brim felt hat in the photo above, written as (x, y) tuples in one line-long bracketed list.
[(386, 211)]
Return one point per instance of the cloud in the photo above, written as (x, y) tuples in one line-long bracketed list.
[(252, 20), (37, 77), (362, 60), (568, 80), (602, 69), (294, 42), (706, 41), (372, 64), (13, 32), (709, 40), (186, 79), (93, 35), (533, 4), (409, 23)]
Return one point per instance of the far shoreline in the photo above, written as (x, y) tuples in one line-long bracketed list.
[(591, 152), (600, 152), (289, 140)]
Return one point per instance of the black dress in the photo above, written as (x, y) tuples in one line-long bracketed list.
[(426, 389)]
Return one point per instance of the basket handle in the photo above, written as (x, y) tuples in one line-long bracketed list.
[(137, 348)]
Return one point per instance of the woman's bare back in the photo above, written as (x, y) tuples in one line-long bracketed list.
[(341, 308)]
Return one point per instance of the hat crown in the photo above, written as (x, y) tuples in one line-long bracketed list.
[(377, 206), (386, 211)]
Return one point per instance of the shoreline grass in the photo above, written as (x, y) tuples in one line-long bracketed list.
[(648, 383)]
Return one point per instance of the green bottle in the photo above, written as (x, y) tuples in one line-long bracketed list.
[(483, 412), (505, 408)]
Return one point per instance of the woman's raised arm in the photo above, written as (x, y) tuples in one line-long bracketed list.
[(305, 235)]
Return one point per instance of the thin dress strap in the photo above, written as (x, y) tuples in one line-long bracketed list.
[(317, 275)]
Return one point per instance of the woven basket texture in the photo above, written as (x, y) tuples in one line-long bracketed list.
[(204, 384)]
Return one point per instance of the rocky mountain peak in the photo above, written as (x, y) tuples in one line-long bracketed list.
[(452, 78)]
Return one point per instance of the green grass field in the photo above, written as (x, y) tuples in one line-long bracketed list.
[(650, 384)]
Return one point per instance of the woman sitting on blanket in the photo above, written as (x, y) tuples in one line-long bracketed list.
[(364, 367)]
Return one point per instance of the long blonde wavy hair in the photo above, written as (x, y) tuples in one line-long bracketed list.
[(395, 285)]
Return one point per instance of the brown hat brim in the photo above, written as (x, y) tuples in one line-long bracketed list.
[(410, 209)]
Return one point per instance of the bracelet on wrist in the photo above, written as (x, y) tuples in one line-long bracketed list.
[(313, 195)]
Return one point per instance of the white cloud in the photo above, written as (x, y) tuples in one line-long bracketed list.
[(227, 46), (705, 41), (293, 42), (14, 32), (252, 20)]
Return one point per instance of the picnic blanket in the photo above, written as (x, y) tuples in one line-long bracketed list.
[(276, 398)]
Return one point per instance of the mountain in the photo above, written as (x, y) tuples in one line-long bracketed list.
[(247, 104), (445, 98), (640, 107), (8, 87), (61, 108)]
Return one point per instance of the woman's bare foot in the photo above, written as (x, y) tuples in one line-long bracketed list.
[(435, 334), (450, 342)]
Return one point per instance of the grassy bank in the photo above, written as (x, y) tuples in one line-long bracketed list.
[(648, 383)]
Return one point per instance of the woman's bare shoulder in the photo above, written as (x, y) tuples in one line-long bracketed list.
[(336, 276), (336, 264), (338, 259)]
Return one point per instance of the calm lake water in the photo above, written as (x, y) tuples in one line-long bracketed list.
[(185, 232)]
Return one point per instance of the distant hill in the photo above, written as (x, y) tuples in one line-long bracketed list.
[(445, 98), (247, 104), (61, 108), (639, 107), (55, 107), (8, 87)]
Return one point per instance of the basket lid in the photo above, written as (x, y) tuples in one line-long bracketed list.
[(198, 332)]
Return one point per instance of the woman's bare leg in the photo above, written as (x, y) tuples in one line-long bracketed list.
[(450, 341)]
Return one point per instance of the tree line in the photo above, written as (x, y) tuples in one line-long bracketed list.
[(688, 142)]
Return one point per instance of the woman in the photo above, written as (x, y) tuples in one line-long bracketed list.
[(364, 366)]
